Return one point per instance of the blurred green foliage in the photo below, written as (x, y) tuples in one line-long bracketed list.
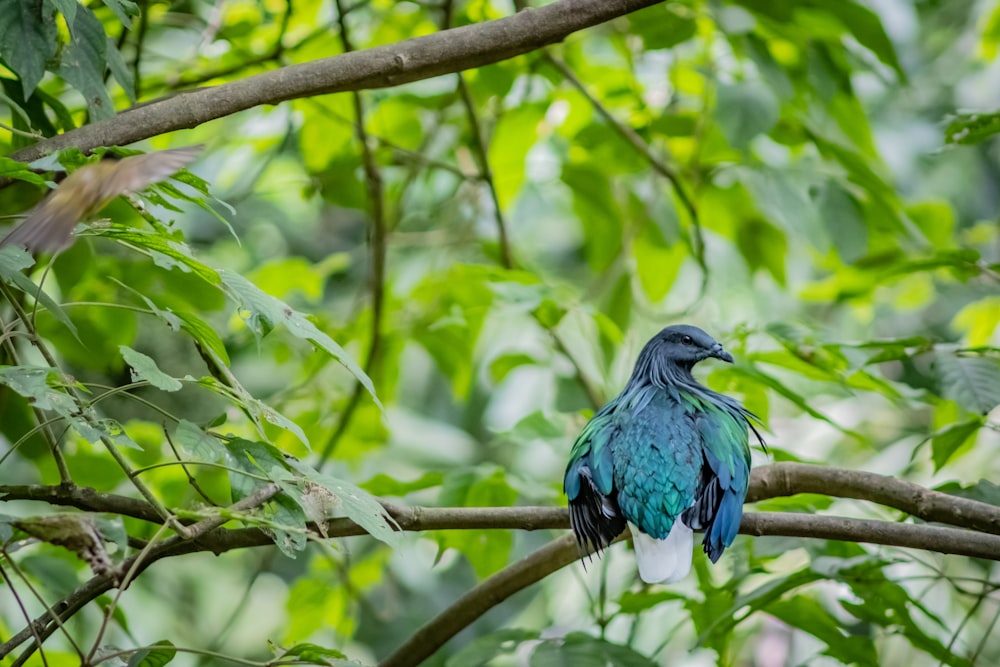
[(812, 181)]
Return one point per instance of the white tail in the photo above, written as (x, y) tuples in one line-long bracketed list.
[(664, 561)]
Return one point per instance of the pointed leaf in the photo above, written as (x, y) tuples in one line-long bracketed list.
[(144, 368), (261, 311), (157, 655), (971, 381), (946, 441)]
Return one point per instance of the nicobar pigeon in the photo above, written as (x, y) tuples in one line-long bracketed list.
[(666, 457)]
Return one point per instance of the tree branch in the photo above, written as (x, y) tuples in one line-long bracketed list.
[(563, 551), (779, 479), (82, 498), (378, 241), (445, 52), (787, 479), (770, 481), (45, 624)]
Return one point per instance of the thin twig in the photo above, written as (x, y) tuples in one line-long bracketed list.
[(24, 610), (44, 425), (642, 148), (481, 152), (45, 624), (190, 477), (85, 414), (378, 242)]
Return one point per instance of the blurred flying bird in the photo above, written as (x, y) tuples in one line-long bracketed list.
[(666, 457), (49, 226)]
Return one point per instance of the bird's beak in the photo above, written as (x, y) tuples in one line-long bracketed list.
[(719, 352)]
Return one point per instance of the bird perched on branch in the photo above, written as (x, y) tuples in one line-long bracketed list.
[(49, 226), (666, 457)]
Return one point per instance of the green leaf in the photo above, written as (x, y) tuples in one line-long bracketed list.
[(657, 263), (972, 382), (502, 365), (984, 491), (865, 26), (203, 334), (946, 441), (724, 620), (889, 605), (486, 550), (32, 382), (346, 500), (539, 424), (120, 70), (595, 207), (197, 444), (513, 137), (382, 485), (256, 409), (763, 246), (282, 518), (13, 261), (580, 650), (744, 110), (662, 26), (806, 614), (261, 312), (633, 602), (157, 655), (313, 654), (972, 128), (782, 389), (844, 221), (28, 38), (784, 197), (124, 10), (84, 62), (164, 252), (481, 650), (18, 170), (145, 368)]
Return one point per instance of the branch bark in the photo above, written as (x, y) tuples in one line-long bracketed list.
[(445, 52), (787, 479), (45, 624), (563, 551), (776, 480), (771, 481)]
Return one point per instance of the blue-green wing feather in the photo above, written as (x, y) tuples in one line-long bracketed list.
[(589, 482), (723, 430)]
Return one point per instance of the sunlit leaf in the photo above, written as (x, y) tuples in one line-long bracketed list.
[(946, 441), (971, 381), (144, 368), (262, 312)]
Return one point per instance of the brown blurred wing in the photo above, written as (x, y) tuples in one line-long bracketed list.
[(49, 226), (139, 171)]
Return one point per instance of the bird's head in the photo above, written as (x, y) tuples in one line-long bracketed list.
[(668, 357), (686, 345)]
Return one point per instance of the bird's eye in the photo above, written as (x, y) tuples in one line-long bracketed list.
[(687, 340)]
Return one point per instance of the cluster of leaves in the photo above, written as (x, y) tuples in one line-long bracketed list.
[(712, 162)]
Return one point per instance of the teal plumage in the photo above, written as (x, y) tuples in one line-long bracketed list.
[(666, 457)]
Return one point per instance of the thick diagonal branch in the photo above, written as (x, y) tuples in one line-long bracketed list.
[(445, 52), (562, 551)]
